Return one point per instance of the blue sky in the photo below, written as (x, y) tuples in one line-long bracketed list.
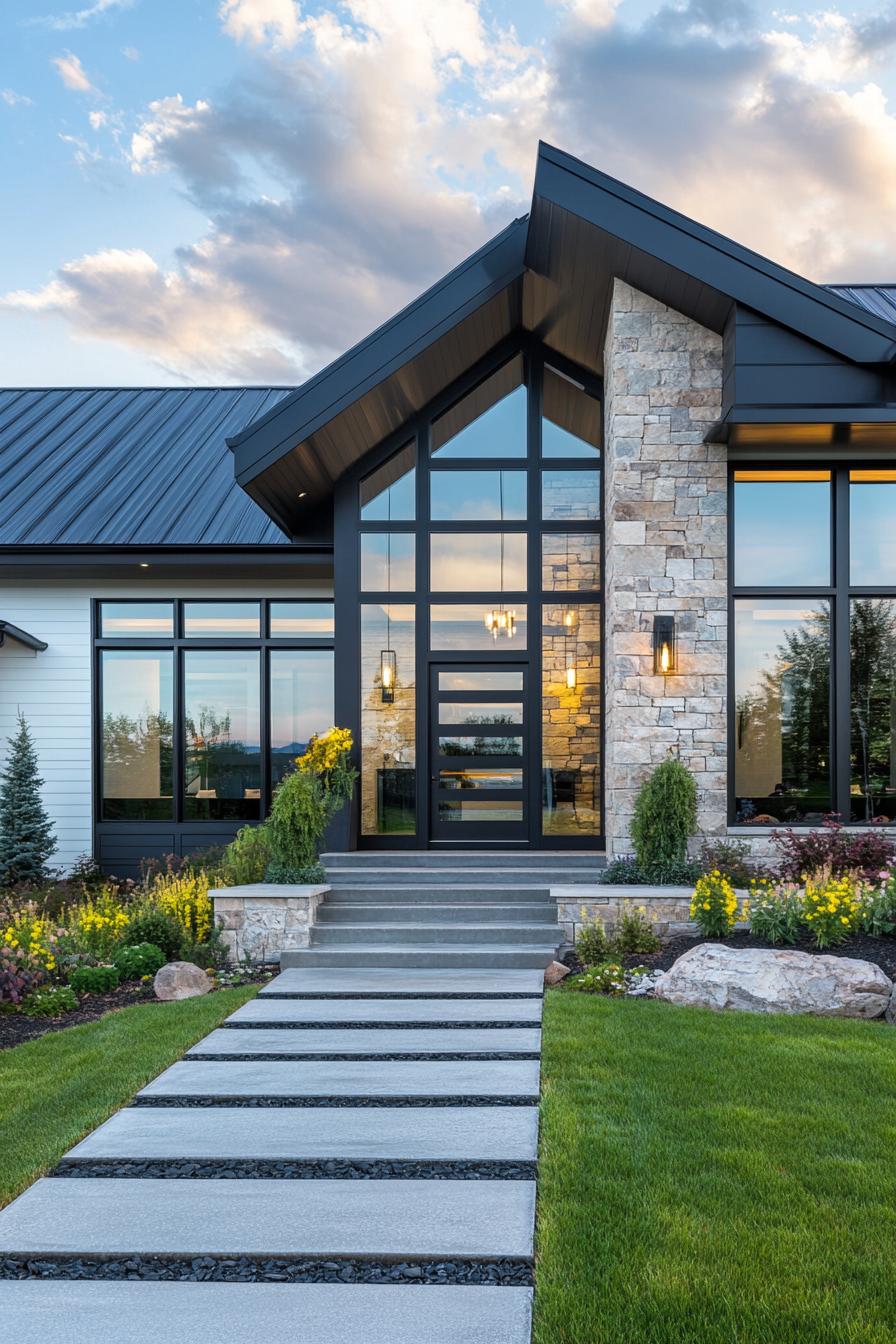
[(235, 190)]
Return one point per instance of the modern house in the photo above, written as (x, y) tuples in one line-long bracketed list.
[(614, 487)]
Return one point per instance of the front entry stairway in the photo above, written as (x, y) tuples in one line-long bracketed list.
[(440, 910)]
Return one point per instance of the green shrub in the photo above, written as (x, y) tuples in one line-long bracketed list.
[(94, 979), (634, 932), (27, 841), (832, 908), (877, 916), (50, 1001), (154, 926), (714, 905), (313, 874), (305, 802), (731, 857), (246, 857), (608, 978), (141, 959), (209, 954), (776, 911), (625, 871), (591, 939), (665, 816)]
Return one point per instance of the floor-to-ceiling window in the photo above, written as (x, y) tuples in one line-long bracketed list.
[(478, 575), (813, 645)]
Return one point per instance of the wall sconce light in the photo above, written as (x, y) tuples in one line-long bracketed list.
[(387, 675), (571, 671), (665, 653)]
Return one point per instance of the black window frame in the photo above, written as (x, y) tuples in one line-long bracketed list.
[(840, 593)]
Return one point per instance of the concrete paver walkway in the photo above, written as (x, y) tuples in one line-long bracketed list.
[(380, 1128)]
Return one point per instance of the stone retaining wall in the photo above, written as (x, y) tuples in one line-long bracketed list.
[(261, 920), (667, 908)]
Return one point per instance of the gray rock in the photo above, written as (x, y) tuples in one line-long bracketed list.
[(181, 980), (757, 980), (890, 1014), (555, 973)]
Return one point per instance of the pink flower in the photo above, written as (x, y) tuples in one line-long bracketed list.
[(884, 876)]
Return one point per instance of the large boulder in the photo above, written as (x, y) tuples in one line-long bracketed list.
[(181, 980), (757, 980), (555, 972)]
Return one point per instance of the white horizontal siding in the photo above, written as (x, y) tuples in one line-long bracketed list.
[(53, 688)]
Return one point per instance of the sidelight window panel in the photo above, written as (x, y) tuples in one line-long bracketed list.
[(222, 734), (872, 660), (571, 719), (137, 734), (388, 719)]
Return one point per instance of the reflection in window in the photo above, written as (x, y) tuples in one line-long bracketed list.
[(137, 715), (388, 721), (571, 422), (301, 703), (473, 496), (478, 562), (150, 620), (782, 715), (483, 745), (872, 640), (389, 493), (572, 495), (571, 690), (302, 620), (472, 712), (463, 679), (222, 620), (782, 528), (489, 422), (480, 809), (222, 722), (872, 528), (570, 562), (500, 778), (457, 626), (387, 562)]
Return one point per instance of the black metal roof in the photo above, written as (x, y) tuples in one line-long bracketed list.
[(877, 299), (128, 467)]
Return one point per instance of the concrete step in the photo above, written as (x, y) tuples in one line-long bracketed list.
[(358, 1014), (437, 935), (313, 1041), (394, 860), (483, 877), (408, 956), (456, 895), (382, 983), (428, 912)]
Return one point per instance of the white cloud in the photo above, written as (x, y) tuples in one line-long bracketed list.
[(13, 99), (168, 118), (73, 74), (79, 18), (130, 53), (262, 22), (97, 119)]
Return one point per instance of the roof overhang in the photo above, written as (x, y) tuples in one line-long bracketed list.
[(308, 563), (10, 631)]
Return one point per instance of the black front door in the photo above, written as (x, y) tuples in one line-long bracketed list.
[(478, 752)]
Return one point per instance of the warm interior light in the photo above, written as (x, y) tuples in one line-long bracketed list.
[(387, 676), (664, 651), (571, 676), (665, 658), (144, 565), (302, 494)]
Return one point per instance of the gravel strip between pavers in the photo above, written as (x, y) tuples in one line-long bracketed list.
[(460, 1056), (385, 994), (267, 1269), (348, 1025), (363, 1101), (295, 1169)]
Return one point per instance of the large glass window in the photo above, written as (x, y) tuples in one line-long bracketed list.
[(460, 628), (571, 719), (478, 496), (388, 719), (389, 493), (571, 420), (489, 422), (478, 562), (137, 734), (872, 528), (387, 562), (302, 620), (872, 660), (222, 734), (301, 703), (570, 562), (136, 620), (783, 529), (222, 620), (568, 495)]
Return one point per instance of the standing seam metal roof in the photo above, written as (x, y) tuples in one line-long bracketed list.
[(877, 299), (128, 467)]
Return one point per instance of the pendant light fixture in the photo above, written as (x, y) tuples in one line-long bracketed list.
[(500, 620), (388, 660)]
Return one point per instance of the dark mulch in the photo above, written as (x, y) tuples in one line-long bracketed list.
[(881, 951), (16, 1027)]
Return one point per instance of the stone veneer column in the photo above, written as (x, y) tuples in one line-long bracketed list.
[(666, 541)]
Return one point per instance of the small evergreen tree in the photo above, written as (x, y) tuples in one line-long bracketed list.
[(665, 817), (26, 832)]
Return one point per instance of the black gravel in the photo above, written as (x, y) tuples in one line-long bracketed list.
[(266, 1269), (323, 1169), (435, 1056), (381, 994), (363, 1101), (349, 1025)]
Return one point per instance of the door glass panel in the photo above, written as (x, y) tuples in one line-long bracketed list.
[(571, 419), (301, 698), (873, 710), (480, 779), (489, 422), (480, 809), (387, 562), (138, 740), (464, 680), (473, 496), (388, 720), (570, 562), (872, 528), (474, 713), (782, 528), (781, 712), (570, 494), (454, 625), (222, 620), (302, 620), (389, 493), (478, 562), (497, 745), (222, 720), (571, 719), (153, 620)]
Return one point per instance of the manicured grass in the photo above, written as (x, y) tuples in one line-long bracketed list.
[(56, 1089), (714, 1177)]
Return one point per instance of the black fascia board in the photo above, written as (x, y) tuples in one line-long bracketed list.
[(483, 275), (10, 631), (56, 560), (709, 257)]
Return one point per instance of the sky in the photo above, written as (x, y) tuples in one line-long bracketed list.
[(235, 191)]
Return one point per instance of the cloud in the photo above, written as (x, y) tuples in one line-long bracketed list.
[(130, 53), (13, 99), (79, 18), (73, 74), (262, 22)]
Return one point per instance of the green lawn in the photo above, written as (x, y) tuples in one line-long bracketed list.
[(714, 1177), (56, 1089)]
